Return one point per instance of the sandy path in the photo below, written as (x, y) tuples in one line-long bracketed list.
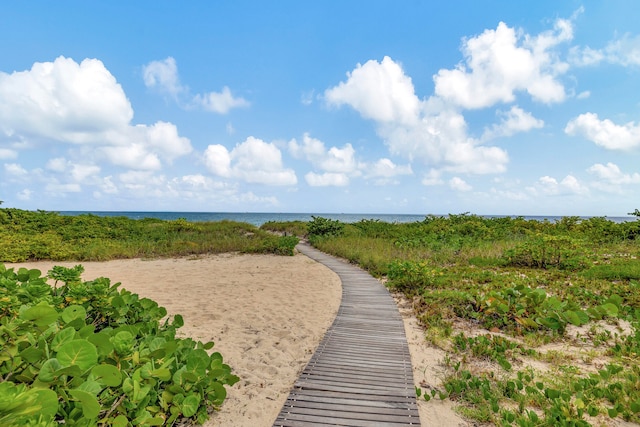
[(266, 315)]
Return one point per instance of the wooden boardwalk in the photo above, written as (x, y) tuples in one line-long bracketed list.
[(361, 374)]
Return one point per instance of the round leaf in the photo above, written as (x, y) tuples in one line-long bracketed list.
[(73, 312), (48, 370), (48, 400), (78, 353), (41, 315), (107, 374), (190, 405), (88, 402)]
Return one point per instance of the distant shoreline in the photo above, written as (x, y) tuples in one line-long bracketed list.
[(259, 218)]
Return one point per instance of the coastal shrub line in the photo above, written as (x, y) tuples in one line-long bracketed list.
[(498, 295), (38, 235)]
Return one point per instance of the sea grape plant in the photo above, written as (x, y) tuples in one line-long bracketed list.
[(85, 352)]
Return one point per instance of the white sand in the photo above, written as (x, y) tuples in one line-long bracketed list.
[(266, 315)]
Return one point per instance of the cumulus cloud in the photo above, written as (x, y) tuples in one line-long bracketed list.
[(569, 185), (459, 184), (498, 63), (514, 121), (77, 172), (432, 178), (219, 102), (427, 131), (611, 174), (338, 165), (341, 160), (163, 76), (326, 179), (384, 171), (15, 170), (82, 104), (624, 51), (253, 161), (605, 133), (378, 90), (6, 153), (63, 100)]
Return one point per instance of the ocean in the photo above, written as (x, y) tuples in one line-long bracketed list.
[(259, 218)]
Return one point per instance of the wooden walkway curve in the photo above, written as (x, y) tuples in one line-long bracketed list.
[(361, 373)]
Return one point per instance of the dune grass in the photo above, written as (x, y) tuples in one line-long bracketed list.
[(499, 295), (29, 235)]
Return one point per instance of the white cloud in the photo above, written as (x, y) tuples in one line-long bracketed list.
[(340, 160), (15, 170), (338, 165), (432, 178), (6, 153), (624, 51), (57, 188), (307, 97), (77, 172), (612, 174), (428, 131), (219, 102), (25, 194), (326, 179), (163, 76), (511, 122), (458, 184), (83, 104), (385, 168), (253, 161), (604, 132), (63, 100), (378, 90), (569, 185), (500, 62)]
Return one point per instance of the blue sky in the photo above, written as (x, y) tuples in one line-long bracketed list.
[(417, 107)]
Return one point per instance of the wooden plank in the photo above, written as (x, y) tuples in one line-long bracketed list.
[(361, 373), (291, 420)]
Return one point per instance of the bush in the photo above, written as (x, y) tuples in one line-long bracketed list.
[(321, 227), (87, 353)]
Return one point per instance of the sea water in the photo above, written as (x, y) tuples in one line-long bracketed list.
[(259, 218)]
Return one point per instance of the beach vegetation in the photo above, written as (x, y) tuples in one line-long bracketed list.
[(500, 296), (84, 353), (39, 235)]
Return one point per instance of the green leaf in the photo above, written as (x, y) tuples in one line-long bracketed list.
[(120, 421), (48, 401), (31, 354), (48, 370), (102, 341), (73, 312), (63, 336), (178, 321), (163, 374), (79, 353), (41, 315), (572, 317), (88, 402), (635, 406), (190, 405), (610, 309), (108, 375)]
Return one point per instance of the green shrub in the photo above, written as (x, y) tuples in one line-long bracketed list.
[(323, 227), (87, 353), (545, 251)]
